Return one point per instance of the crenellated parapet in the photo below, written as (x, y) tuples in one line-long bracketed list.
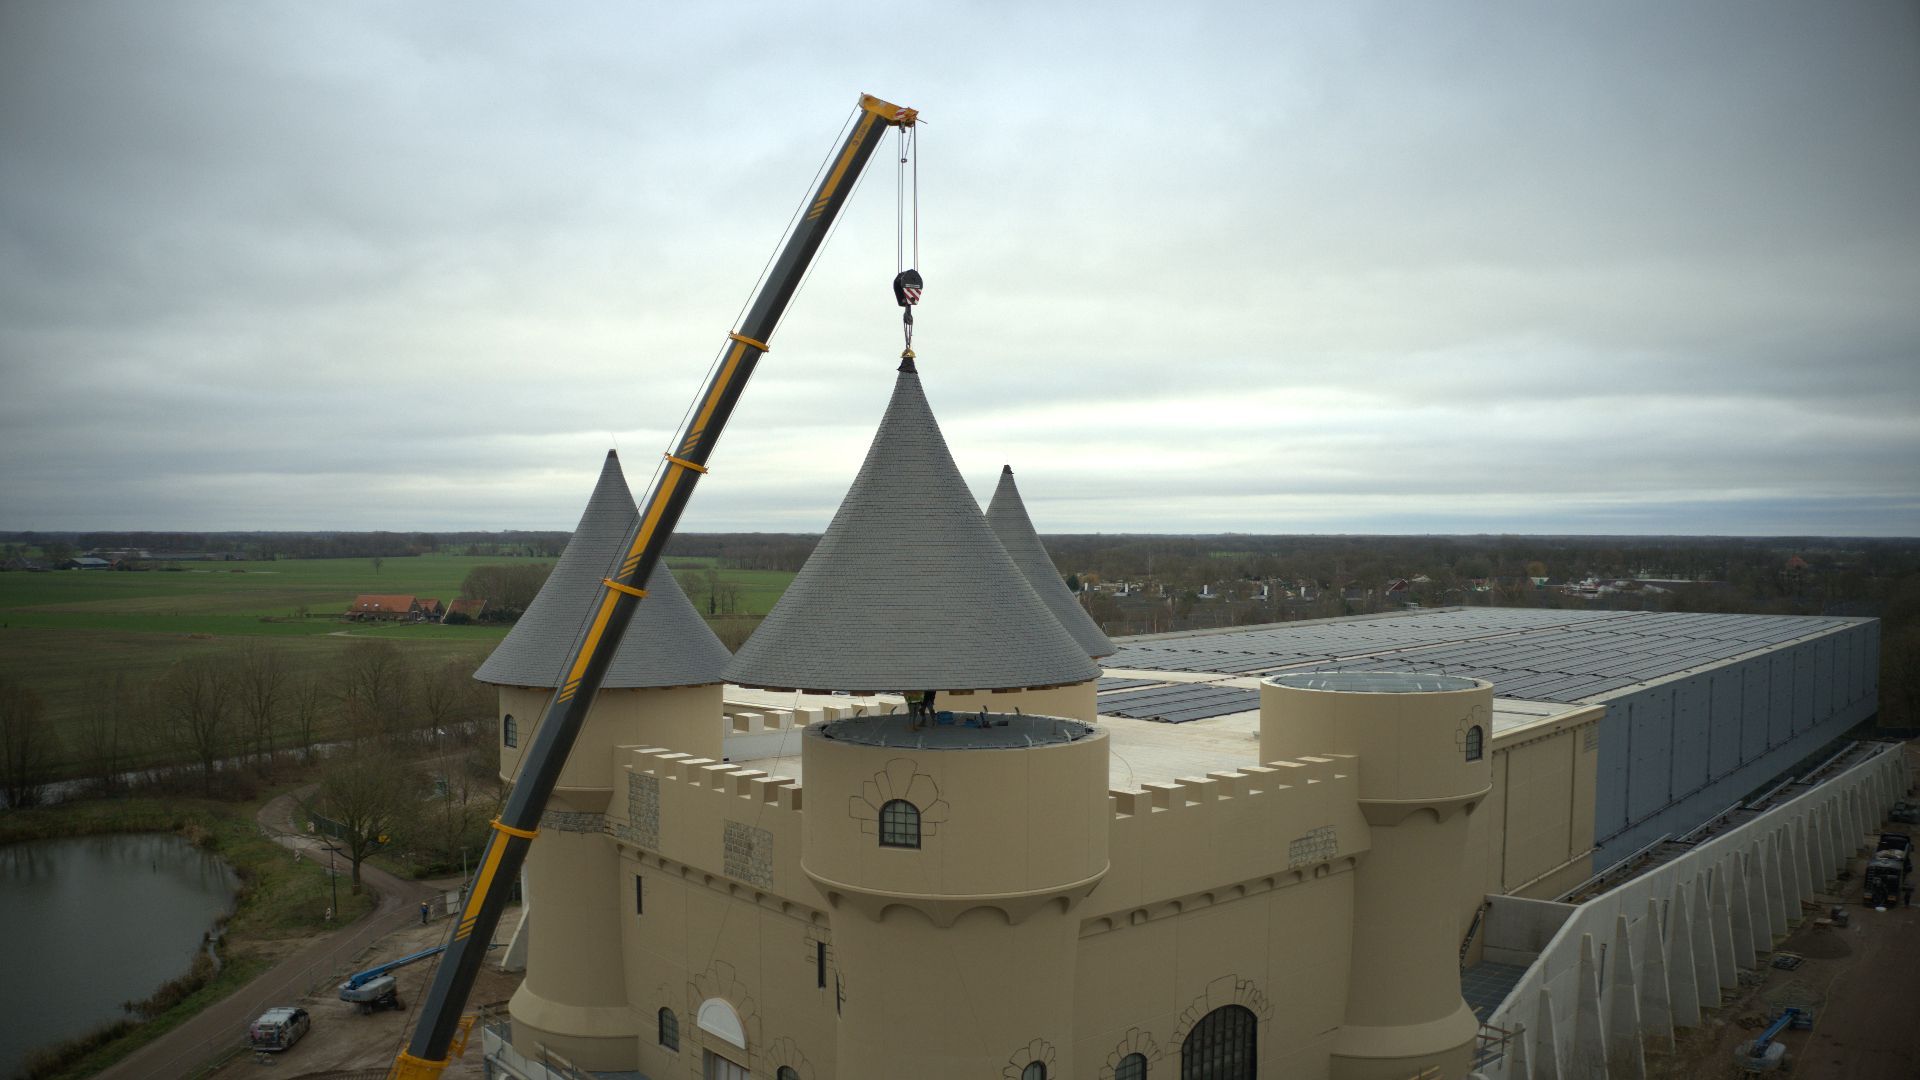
[(727, 820), (1202, 840)]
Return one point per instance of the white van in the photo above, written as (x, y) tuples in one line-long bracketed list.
[(278, 1029)]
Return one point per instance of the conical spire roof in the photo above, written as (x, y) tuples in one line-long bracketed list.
[(909, 589), (1007, 515), (666, 644)]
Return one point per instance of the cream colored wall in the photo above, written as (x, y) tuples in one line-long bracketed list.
[(1075, 702), (1404, 1011), (700, 938), (683, 718), (957, 957), (1533, 836), (573, 1000)]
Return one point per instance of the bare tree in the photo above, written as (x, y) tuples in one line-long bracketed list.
[(108, 729), (306, 703), (372, 688), (365, 792), (260, 686), (197, 711), (449, 697), (28, 746)]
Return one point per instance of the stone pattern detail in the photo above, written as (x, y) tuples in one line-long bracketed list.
[(572, 821), (748, 854), (1318, 845), (643, 812)]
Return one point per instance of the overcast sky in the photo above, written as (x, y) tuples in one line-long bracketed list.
[(1275, 267)]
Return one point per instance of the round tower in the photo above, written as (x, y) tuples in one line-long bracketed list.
[(663, 688), (953, 848), (1424, 749), (953, 859)]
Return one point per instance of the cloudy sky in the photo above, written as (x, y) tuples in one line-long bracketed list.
[(1275, 267)]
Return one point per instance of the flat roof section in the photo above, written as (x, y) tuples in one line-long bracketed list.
[(1529, 653), (956, 731)]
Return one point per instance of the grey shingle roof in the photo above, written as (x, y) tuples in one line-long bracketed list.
[(1007, 515), (909, 589), (667, 644)]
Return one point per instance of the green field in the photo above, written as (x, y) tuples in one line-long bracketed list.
[(64, 631)]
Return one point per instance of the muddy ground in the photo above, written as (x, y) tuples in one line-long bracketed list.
[(1862, 981), (344, 1040)]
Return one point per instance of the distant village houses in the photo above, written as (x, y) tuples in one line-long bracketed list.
[(376, 607)]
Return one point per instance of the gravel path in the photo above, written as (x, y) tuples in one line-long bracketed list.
[(224, 1023)]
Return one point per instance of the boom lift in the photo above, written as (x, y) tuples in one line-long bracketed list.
[(428, 1051)]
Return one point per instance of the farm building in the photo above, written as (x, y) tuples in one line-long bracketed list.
[(1262, 852), (382, 607)]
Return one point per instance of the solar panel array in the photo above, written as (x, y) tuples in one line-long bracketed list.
[(1540, 655), (1180, 703)]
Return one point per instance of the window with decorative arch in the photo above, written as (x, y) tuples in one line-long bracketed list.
[(1476, 742), (510, 731), (669, 1029), (1131, 1067), (900, 825), (786, 1072), (1222, 1046), (1035, 1071)]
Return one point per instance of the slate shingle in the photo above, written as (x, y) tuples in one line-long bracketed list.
[(1007, 515), (666, 644), (909, 589)]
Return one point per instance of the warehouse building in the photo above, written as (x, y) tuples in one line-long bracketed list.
[(1266, 852)]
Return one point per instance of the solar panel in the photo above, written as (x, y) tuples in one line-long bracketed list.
[(1180, 704)]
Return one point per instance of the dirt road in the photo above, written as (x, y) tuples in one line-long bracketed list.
[(327, 957), (1859, 981)]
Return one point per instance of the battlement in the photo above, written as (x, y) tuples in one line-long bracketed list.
[(1285, 819), (726, 820)]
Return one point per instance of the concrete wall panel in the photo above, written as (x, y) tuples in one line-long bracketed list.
[(1824, 698), (1692, 717), (1779, 698), (1725, 732), (1753, 710), (1610, 784), (1649, 779), (1805, 674)]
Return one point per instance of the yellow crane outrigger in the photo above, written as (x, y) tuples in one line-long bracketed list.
[(441, 1023)]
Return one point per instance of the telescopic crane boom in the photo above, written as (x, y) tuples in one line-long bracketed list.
[(440, 1023)]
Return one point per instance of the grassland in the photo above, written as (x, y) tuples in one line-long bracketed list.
[(64, 631)]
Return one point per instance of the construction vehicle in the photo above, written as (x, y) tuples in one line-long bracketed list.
[(1887, 871), (1765, 1054), (1905, 813), (434, 1037), (375, 988)]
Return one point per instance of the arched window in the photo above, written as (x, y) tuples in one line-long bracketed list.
[(510, 731), (786, 1073), (1131, 1067), (900, 824), (1476, 740), (1221, 1046), (669, 1029), (1035, 1071)]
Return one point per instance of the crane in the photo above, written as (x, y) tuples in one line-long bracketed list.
[(441, 1023)]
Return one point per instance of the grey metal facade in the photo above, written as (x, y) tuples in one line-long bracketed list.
[(1702, 709)]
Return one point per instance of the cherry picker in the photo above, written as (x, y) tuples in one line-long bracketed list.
[(442, 1030)]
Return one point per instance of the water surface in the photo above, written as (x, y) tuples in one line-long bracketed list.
[(93, 921)]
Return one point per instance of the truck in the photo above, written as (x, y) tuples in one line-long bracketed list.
[(1888, 870), (443, 1027)]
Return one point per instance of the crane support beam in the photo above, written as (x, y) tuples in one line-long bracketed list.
[(428, 1050)]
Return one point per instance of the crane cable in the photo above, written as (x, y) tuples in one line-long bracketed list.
[(907, 283)]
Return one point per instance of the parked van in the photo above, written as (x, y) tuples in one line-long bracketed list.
[(278, 1029)]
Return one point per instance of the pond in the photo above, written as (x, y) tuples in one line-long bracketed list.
[(93, 921)]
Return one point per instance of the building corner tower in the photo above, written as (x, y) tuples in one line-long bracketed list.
[(952, 851), (661, 689), (1424, 749)]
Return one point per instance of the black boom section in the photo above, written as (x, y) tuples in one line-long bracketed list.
[(426, 1054)]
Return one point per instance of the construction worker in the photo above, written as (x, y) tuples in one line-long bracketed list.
[(914, 698)]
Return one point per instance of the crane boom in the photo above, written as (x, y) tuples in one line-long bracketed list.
[(440, 1021)]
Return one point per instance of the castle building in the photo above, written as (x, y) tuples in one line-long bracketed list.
[(766, 865)]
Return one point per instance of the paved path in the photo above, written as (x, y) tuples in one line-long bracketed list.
[(224, 1023)]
